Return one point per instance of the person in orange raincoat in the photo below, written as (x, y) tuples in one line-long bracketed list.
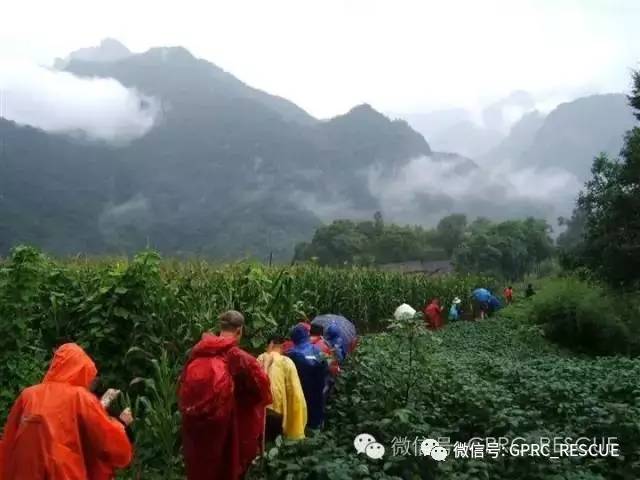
[(58, 430), (433, 314), (223, 395)]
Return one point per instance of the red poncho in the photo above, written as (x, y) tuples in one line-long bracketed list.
[(223, 394), (433, 315), (58, 429)]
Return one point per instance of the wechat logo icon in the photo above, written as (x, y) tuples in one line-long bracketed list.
[(366, 443), (431, 448)]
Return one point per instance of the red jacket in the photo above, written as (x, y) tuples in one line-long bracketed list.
[(433, 315), (223, 394)]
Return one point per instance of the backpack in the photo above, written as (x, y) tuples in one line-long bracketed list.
[(206, 389)]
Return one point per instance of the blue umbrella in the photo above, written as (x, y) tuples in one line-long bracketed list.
[(481, 295), (346, 329)]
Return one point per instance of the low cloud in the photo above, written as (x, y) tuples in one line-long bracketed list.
[(427, 189), (59, 102)]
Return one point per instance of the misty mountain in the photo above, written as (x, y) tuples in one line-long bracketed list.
[(226, 170), (109, 50), (468, 139), (521, 137), (458, 130), (575, 132)]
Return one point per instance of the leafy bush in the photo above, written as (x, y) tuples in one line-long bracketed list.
[(582, 316)]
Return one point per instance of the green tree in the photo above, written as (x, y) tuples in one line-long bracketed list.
[(611, 206), (451, 230), (509, 249)]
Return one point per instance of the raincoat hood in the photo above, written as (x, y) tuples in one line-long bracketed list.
[(333, 333), (71, 365), (212, 345), (300, 334)]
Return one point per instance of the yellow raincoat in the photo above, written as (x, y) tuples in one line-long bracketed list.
[(287, 394)]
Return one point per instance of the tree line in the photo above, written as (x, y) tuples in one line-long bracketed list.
[(603, 234), (508, 249)]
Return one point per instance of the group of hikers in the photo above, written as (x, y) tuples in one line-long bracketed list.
[(482, 301), (231, 403)]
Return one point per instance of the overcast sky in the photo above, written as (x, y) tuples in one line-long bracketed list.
[(328, 55)]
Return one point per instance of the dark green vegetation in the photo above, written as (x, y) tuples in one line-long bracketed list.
[(373, 242), (588, 317), (508, 249), (499, 378), (138, 320), (604, 233)]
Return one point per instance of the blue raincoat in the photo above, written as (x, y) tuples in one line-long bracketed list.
[(313, 371), (494, 304), (335, 341)]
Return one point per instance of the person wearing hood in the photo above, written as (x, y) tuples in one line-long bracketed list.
[(334, 338), (288, 344), (480, 298), (455, 310), (59, 430), (317, 338), (287, 414), (313, 371), (222, 395), (493, 305), (433, 314)]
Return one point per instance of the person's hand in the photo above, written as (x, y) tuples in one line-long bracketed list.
[(109, 396), (126, 417)]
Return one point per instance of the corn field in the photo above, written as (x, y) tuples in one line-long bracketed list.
[(139, 318)]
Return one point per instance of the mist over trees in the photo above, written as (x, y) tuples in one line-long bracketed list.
[(607, 218)]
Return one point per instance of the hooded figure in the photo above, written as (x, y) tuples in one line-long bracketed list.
[(223, 394), (313, 370), (288, 398), (59, 430), (433, 314), (494, 304), (288, 344), (454, 311), (336, 342)]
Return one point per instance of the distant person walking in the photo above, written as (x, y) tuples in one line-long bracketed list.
[(433, 314), (455, 311), (508, 295), (223, 393), (480, 300)]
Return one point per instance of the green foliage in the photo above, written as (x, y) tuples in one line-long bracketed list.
[(21, 353), (451, 232), (498, 378), (582, 316), (345, 242), (139, 318), (610, 204), (509, 249)]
